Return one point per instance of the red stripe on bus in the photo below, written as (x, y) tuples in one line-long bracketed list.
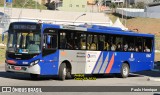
[(110, 64)]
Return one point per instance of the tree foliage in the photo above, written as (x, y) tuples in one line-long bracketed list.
[(30, 4), (140, 5), (51, 6), (113, 6)]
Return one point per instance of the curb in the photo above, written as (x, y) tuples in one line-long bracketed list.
[(153, 79), (157, 70)]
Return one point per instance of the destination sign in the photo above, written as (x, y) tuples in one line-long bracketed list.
[(25, 27)]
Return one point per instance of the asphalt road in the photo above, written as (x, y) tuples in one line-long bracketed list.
[(138, 79)]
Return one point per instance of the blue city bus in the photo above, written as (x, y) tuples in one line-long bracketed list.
[(65, 50)]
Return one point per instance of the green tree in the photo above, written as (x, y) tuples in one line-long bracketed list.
[(113, 6), (140, 5), (51, 6), (30, 4)]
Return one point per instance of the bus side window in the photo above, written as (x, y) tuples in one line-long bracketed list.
[(139, 43), (92, 42), (63, 40), (101, 44), (50, 41), (147, 44), (83, 41)]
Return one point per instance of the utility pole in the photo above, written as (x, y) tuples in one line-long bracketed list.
[(78, 18), (122, 13), (7, 14), (22, 9), (126, 14)]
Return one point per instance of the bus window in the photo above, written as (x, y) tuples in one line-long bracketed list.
[(76, 41), (69, 40), (83, 41), (138, 44), (10, 45), (50, 41), (129, 43), (147, 44), (89, 41), (62, 40), (119, 42), (95, 42), (92, 41), (102, 44), (112, 43)]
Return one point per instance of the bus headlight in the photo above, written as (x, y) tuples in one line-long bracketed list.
[(34, 63)]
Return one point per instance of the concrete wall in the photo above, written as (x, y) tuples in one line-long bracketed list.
[(153, 9), (58, 17), (137, 13), (116, 1), (135, 1)]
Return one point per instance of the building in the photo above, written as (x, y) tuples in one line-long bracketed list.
[(74, 5)]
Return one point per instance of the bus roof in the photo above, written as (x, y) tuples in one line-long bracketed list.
[(90, 28)]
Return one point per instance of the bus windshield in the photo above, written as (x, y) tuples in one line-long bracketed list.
[(24, 42)]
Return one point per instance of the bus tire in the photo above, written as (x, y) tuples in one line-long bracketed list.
[(124, 70), (68, 73), (34, 76), (62, 72)]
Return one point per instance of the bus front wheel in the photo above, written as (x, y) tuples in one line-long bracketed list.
[(62, 71), (125, 70)]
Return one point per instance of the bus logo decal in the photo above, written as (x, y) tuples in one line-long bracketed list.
[(91, 56), (148, 55), (132, 57)]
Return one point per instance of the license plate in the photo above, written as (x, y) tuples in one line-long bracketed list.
[(17, 68)]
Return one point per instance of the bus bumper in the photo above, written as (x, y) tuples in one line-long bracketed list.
[(23, 69)]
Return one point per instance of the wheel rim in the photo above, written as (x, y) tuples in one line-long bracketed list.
[(64, 71), (125, 71)]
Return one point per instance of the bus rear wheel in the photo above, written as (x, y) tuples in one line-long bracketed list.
[(62, 72), (34, 76), (68, 73), (124, 70)]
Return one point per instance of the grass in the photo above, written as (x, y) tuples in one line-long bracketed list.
[(2, 49), (157, 57), (2, 54), (144, 25)]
